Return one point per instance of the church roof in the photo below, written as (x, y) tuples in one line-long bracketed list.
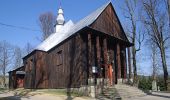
[(69, 29), (56, 38)]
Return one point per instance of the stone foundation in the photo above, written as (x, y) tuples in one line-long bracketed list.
[(119, 81), (93, 89), (125, 80), (122, 81), (97, 88)]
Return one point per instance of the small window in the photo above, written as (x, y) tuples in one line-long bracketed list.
[(59, 58)]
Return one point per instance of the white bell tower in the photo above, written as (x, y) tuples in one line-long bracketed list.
[(60, 20)]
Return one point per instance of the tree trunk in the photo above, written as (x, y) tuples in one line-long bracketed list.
[(129, 63), (4, 65), (168, 2), (154, 60), (162, 50), (4, 77), (134, 66)]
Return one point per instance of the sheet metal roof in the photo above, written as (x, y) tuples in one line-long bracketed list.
[(69, 29), (56, 38)]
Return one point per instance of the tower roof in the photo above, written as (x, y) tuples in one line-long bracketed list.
[(60, 17)]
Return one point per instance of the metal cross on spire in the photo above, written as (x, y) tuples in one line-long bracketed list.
[(60, 4)]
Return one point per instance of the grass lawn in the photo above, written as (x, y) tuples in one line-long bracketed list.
[(55, 92), (2, 90)]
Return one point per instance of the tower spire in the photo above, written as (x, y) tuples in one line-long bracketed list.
[(60, 4), (60, 19)]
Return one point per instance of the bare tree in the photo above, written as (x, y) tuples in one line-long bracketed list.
[(6, 56), (17, 57), (129, 63), (154, 60), (136, 35), (28, 48), (47, 21), (168, 9), (155, 22)]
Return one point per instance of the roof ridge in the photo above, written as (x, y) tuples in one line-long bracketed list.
[(86, 21), (101, 9)]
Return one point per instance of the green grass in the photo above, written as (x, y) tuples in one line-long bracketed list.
[(60, 92), (2, 89), (25, 92), (52, 91)]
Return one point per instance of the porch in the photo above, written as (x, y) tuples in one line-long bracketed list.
[(106, 58)]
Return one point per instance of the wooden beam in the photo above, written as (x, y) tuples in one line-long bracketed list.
[(105, 55), (118, 62), (89, 55), (125, 64), (98, 48)]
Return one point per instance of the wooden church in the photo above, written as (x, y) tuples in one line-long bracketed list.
[(78, 54)]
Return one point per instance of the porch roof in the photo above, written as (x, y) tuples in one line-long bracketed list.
[(126, 43)]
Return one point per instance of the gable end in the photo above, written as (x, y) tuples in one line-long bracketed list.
[(109, 23)]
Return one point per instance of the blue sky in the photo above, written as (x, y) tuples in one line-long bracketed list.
[(25, 13)]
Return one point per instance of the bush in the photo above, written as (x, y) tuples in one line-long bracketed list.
[(145, 83), (160, 83)]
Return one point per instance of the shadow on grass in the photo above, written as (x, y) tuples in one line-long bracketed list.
[(10, 98), (18, 94)]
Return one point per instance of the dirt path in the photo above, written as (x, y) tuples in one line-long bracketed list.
[(44, 96), (153, 96), (39, 96)]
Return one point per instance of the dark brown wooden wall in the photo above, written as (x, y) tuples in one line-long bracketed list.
[(36, 70), (28, 63), (13, 77), (41, 80), (12, 80), (72, 71), (61, 67), (108, 23)]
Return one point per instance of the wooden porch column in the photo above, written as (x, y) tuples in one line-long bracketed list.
[(105, 55), (90, 55), (118, 62), (98, 49)]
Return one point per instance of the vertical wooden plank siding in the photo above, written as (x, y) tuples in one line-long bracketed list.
[(41, 70), (84, 61), (108, 23), (72, 71), (28, 69), (118, 61), (105, 55)]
